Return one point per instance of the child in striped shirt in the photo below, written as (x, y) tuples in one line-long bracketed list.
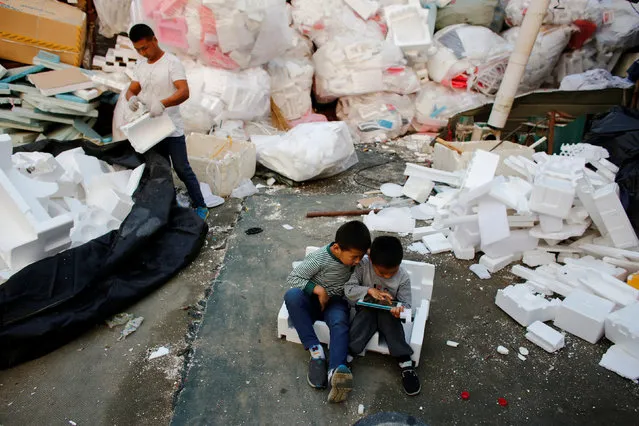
[(317, 293)]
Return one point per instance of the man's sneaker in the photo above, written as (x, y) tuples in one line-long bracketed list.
[(203, 212), (317, 373), (341, 384), (411, 383)]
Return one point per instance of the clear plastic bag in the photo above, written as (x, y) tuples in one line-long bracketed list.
[(291, 81), (620, 29), (113, 16), (469, 56), (345, 67), (308, 151), (218, 94), (437, 102), (593, 80), (376, 117), (559, 12), (550, 42)]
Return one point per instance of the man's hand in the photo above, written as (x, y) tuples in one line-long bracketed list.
[(322, 295), (379, 295), (396, 311), (134, 103), (157, 108)]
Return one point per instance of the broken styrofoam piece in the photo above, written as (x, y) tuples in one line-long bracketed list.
[(408, 26), (629, 266), (568, 231), (513, 192), (518, 241), (481, 169), (599, 250), (422, 231), (622, 328), (502, 350), (618, 360), (452, 343), (433, 175), (497, 264), (422, 277), (417, 188), (609, 288), (614, 218), (584, 315), (392, 219), (209, 199), (480, 270), (538, 257), (461, 250), (493, 222), (523, 351), (437, 243), (522, 221), (545, 336), (423, 212), (391, 190), (468, 234), (475, 195), (524, 306), (160, 352), (550, 224), (145, 132), (600, 266), (552, 196), (418, 247)]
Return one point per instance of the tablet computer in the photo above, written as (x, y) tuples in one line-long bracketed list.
[(371, 302)]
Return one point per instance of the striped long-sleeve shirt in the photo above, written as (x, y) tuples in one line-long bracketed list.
[(321, 268)]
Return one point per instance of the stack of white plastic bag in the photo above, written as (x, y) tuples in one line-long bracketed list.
[(308, 151), (596, 79), (549, 44), (232, 34), (218, 94), (435, 104), (346, 67), (467, 56), (376, 117), (55, 203), (322, 21), (114, 16)]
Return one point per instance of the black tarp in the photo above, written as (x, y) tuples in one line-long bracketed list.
[(618, 132), (50, 302)]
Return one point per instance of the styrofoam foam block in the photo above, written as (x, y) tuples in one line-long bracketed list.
[(146, 132), (423, 231), (542, 280), (518, 241), (418, 189), (364, 8), (481, 169), (433, 175), (609, 288), (599, 265), (497, 264), (408, 26), (460, 250), (567, 231), (550, 223), (468, 234), (423, 212), (584, 315), (545, 336), (493, 222), (437, 243), (115, 203), (538, 257), (480, 270), (614, 217), (622, 328), (525, 307), (522, 221), (392, 219), (552, 196), (618, 360)]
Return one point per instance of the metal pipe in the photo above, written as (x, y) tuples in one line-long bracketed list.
[(517, 63)]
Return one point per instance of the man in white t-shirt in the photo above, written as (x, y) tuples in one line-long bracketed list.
[(160, 85)]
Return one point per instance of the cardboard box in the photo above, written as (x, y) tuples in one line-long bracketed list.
[(28, 26)]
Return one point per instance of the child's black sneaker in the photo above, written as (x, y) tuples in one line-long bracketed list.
[(317, 373), (410, 380), (341, 380)]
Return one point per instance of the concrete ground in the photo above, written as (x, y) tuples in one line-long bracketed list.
[(239, 372)]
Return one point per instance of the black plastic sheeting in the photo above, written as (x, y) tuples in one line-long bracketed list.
[(618, 132), (50, 302)]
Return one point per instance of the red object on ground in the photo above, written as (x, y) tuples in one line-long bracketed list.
[(465, 395), (502, 402), (586, 31)]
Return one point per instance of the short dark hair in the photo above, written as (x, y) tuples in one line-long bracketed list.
[(139, 32), (387, 251), (353, 235)]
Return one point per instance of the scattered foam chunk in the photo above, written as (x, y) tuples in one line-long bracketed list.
[(545, 336), (616, 359)]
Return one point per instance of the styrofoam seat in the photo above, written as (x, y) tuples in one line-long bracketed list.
[(421, 275)]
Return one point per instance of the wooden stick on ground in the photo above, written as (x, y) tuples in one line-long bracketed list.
[(341, 213), (448, 145)]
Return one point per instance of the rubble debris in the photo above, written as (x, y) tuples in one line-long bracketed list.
[(584, 315), (130, 327), (524, 306), (480, 270), (618, 360), (502, 350), (452, 343), (119, 319), (523, 351)]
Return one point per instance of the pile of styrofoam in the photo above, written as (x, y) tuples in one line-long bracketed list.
[(49, 204), (562, 215)]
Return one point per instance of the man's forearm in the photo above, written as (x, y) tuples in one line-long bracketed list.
[(175, 99)]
